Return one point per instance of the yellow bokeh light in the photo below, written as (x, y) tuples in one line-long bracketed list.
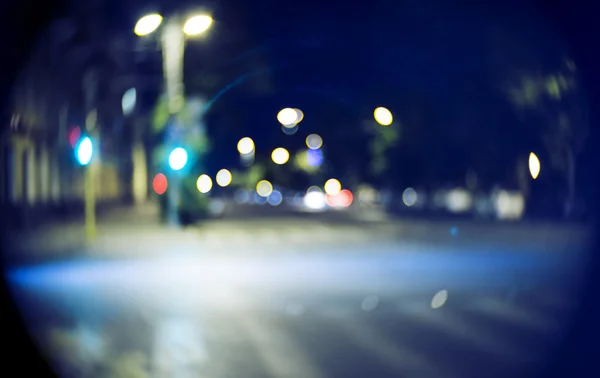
[(534, 165), (288, 117), (197, 25), (280, 156), (299, 115), (314, 141), (333, 187), (245, 146), (147, 24), (383, 116), (264, 188), (224, 177), (204, 184)]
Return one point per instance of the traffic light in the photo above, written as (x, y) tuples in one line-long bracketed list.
[(178, 158), (74, 136), (84, 150)]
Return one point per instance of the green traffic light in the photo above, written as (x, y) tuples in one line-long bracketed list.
[(84, 151)]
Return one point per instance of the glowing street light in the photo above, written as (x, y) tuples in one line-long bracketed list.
[(204, 183), (280, 156), (197, 25), (332, 187), (178, 159), (147, 24), (245, 146), (84, 151), (224, 177), (534, 166), (383, 116), (314, 141)]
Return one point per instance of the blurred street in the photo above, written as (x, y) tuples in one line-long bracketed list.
[(284, 294), (132, 232)]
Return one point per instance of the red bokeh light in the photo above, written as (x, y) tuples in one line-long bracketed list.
[(342, 199), (346, 198), (74, 136), (160, 184)]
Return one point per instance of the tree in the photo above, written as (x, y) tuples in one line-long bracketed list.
[(196, 141), (554, 104)]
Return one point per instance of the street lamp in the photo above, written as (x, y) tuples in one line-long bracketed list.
[(383, 116), (172, 37), (197, 25), (147, 24), (534, 166)]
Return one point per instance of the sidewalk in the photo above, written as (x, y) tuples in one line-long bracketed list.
[(126, 231)]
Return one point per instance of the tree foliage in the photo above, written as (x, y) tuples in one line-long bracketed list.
[(555, 105)]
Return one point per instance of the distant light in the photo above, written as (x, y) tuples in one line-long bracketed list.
[(147, 24), (509, 205), (383, 116), (84, 151), (346, 198), (264, 188), (160, 184), (241, 196), (332, 187), (224, 177), (314, 158), (439, 299), (409, 197), (342, 199), (245, 146), (288, 117), (459, 200), (370, 303), (280, 156), (178, 158), (128, 101), (275, 198), (314, 141), (299, 115), (204, 183), (315, 200), (197, 25), (534, 166), (74, 136)]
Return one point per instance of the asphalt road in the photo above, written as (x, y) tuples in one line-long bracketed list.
[(298, 306)]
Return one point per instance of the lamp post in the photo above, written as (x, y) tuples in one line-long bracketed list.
[(172, 38)]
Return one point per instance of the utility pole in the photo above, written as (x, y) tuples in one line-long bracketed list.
[(90, 84), (173, 46)]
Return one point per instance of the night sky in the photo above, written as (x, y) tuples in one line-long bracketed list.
[(440, 68)]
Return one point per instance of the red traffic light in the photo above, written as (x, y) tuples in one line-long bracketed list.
[(74, 135)]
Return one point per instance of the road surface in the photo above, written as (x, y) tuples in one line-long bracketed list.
[(299, 298)]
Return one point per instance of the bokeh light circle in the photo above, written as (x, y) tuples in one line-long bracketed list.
[(280, 156), (245, 146), (287, 117), (204, 183), (160, 184), (224, 177), (264, 188), (314, 141), (383, 116), (332, 187)]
